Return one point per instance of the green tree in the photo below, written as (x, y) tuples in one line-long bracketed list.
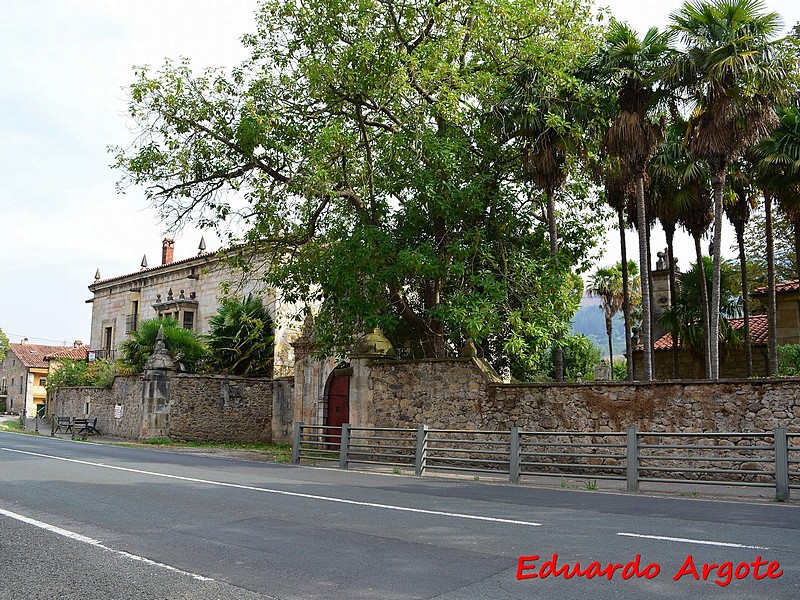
[(734, 73), (4, 345), (789, 360), (581, 356), (80, 373), (634, 66), (182, 344), (756, 251), (240, 339), (362, 145), (606, 283)]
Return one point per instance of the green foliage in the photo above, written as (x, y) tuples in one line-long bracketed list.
[(756, 250), (364, 141), (70, 372), (182, 344), (619, 370), (4, 345), (789, 360), (241, 338), (581, 356)]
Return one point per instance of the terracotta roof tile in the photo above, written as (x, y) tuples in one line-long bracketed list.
[(78, 353), (784, 286), (204, 255), (34, 355), (758, 332)]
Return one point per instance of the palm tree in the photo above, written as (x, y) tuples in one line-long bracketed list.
[(778, 175), (606, 283), (727, 68), (241, 338), (634, 67), (742, 201), (527, 112)]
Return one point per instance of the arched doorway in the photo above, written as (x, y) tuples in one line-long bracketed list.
[(337, 412)]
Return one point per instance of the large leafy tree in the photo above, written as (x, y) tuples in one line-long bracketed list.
[(358, 149), (4, 345), (633, 66), (733, 76)]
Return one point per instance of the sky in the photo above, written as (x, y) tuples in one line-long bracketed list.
[(65, 67)]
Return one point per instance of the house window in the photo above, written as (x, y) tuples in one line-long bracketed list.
[(43, 381), (108, 338), (188, 319)]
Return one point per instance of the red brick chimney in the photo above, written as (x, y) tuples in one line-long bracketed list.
[(167, 250)]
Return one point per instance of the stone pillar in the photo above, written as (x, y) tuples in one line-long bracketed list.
[(371, 347), (158, 371), (662, 299)]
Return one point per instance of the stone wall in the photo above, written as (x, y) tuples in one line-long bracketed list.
[(222, 409), (455, 394), (102, 403), (198, 408)]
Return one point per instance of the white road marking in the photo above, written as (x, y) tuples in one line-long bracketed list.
[(98, 544), (285, 493), (690, 541)]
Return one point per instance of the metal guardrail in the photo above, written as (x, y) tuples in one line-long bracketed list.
[(770, 459)]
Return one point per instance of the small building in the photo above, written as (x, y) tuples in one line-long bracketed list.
[(732, 359), (23, 375)]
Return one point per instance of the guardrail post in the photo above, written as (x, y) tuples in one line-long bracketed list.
[(632, 459), (781, 464), (298, 431), (53, 425), (422, 450), (513, 466), (345, 443)]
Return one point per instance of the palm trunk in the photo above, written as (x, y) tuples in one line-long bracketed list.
[(626, 295), (717, 183), (748, 346), (704, 314), (558, 352), (644, 265), (609, 331), (672, 291), (772, 313)]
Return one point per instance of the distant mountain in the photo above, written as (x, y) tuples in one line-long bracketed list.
[(590, 322)]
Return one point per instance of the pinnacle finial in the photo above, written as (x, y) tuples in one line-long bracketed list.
[(97, 275), (202, 246), (144, 261)]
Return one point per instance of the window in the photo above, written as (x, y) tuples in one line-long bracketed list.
[(108, 338), (43, 381), (188, 319)]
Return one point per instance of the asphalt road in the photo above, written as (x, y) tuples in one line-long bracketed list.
[(91, 521)]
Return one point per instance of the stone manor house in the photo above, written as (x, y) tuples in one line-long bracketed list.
[(188, 290)]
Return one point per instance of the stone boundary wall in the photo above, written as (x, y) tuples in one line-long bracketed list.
[(222, 409), (455, 394), (125, 391), (199, 407)]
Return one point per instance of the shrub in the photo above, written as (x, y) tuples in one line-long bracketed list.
[(72, 372), (241, 339), (182, 344), (789, 360)]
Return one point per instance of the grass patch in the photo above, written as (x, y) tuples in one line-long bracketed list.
[(280, 453), (12, 425)]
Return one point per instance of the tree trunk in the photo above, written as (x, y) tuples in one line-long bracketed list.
[(704, 312), (670, 233), (772, 312), (609, 332), (558, 352), (748, 346), (626, 295), (717, 183), (796, 227), (644, 275)]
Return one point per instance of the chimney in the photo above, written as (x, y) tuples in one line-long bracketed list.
[(167, 250)]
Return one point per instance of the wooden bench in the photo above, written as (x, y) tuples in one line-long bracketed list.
[(84, 427), (61, 425)]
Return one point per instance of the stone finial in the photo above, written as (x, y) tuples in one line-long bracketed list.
[(468, 350), (169, 294), (181, 296), (160, 360), (373, 345), (144, 261), (202, 246), (97, 275)]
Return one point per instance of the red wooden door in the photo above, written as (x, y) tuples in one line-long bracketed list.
[(338, 405)]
